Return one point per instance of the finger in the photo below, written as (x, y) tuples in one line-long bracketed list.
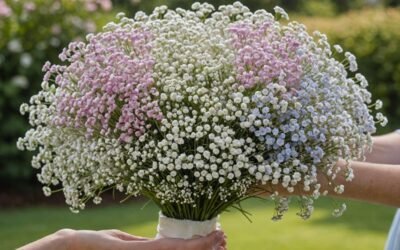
[(222, 242), (217, 239)]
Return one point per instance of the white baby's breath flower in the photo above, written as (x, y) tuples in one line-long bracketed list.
[(46, 191), (338, 48), (223, 113), (281, 12)]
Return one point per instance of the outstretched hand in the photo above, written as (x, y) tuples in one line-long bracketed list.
[(67, 239)]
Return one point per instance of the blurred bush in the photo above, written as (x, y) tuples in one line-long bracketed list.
[(304, 7), (374, 37), (32, 32)]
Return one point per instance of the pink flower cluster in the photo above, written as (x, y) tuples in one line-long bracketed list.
[(265, 54), (29, 6), (92, 5), (107, 88), (5, 10)]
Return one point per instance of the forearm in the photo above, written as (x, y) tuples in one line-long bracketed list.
[(58, 240), (385, 149), (70, 240), (376, 183)]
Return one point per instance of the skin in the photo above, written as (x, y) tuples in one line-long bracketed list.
[(386, 149), (67, 239), (377, 180), (374, 183)]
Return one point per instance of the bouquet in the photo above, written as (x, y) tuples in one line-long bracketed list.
[(195, 109)]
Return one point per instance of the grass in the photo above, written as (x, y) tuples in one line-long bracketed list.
[(363, 226)]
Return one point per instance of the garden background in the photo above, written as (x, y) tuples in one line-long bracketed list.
[(34, 31)]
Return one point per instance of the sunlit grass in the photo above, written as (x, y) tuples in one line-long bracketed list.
[(363, 226)]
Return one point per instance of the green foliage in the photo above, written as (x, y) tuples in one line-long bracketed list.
[(304, 7), (32, 33), (322, 8), (374, 37)]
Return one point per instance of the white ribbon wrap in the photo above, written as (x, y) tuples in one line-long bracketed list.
[(184, 229)]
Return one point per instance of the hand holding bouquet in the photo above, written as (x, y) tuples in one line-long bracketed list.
[(193, 108)]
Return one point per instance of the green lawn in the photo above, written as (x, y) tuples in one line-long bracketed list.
[(363, 226)]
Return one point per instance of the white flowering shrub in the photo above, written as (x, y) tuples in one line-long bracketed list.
[(195, 109)]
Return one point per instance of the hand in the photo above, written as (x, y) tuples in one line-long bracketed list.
[(67, 239), (115, 239)]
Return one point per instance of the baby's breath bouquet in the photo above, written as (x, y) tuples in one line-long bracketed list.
[(194, 109)]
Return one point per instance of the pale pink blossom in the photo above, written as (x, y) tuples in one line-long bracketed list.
[(111, 79), (265, 54), (5, 10)]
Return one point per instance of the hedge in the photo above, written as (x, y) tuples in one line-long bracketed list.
[(374, 37), (33, 32)]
